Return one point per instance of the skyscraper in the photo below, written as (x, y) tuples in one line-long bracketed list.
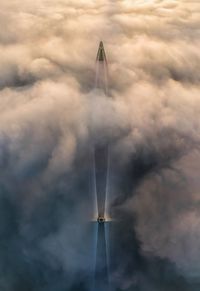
[(101, 155)]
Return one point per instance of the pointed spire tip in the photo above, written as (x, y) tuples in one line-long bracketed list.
[(101, 56)]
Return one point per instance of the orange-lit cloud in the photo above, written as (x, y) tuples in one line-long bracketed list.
[(50, 112)]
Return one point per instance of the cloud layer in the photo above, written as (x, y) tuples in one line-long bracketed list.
[(50, 115)]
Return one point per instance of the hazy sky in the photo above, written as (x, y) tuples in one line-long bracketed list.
[(50, 115)]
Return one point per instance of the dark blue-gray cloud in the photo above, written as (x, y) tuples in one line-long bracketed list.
[(50, 115)]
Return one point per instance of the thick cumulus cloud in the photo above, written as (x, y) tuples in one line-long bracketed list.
[(50, 115)]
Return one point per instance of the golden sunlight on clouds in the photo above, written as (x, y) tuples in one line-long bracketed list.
[(48, 50)]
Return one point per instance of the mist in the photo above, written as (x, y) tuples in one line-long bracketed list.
[(51, 115)]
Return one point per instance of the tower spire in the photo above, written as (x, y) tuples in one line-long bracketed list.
[(101, 55), (101, 80)]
